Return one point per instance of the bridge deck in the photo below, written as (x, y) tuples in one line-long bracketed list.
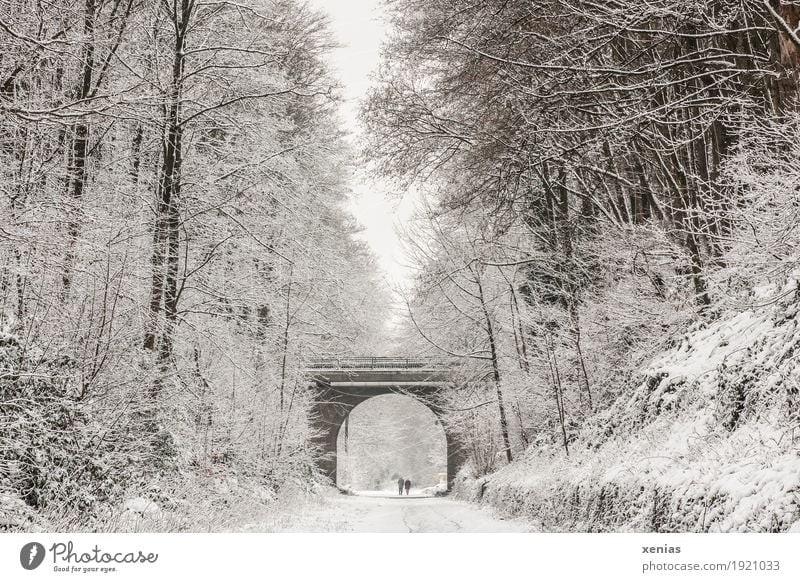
[(377, 363), (379, 372)]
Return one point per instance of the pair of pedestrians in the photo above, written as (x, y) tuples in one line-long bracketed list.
[(403, 483)]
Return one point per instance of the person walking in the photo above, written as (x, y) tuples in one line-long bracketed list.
[(408, 486), (400, 483)]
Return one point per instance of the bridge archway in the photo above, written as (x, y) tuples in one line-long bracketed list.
[(387, 437), (341, 384)]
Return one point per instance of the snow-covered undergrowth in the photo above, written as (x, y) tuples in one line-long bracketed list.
[(208, 503), (707, 441)]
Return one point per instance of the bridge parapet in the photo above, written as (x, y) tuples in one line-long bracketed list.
[(365, 363)]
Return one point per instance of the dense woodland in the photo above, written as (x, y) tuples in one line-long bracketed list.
[(173, 242), (597, 178)]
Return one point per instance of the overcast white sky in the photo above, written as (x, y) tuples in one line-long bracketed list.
[(359, 27)]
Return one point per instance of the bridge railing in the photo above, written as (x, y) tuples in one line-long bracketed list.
[(375, 363)]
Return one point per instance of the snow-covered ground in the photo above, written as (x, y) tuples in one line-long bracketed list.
[(412, 493), (385, 513)]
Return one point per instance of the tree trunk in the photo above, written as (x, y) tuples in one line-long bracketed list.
[(787, 53), (495, 366), (166, 240), (80, 141), (136, 153)]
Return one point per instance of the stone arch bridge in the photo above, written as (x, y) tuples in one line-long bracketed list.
[(341, 384)]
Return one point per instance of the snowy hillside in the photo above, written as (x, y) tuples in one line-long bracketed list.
[(708, 441)]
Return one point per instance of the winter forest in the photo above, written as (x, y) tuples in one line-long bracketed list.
[(605, 251)]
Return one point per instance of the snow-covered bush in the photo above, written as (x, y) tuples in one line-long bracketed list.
[(47, 456)]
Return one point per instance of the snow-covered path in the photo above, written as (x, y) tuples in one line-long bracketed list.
[(392, 514)]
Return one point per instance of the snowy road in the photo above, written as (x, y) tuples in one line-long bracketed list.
[(392, 514)]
